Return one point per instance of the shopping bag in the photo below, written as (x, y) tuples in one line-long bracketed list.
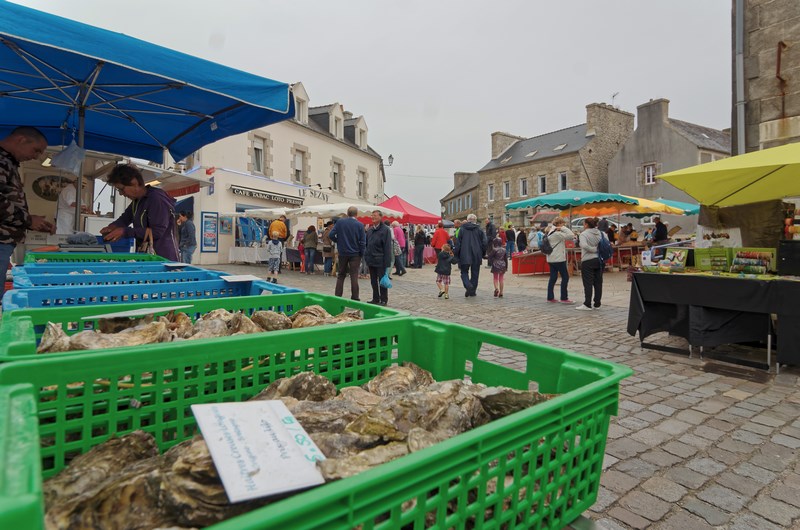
[(386, 282)]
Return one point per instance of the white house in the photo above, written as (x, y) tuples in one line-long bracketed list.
[(321, 156)]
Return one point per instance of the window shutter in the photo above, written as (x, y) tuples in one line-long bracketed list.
[(658, 169)]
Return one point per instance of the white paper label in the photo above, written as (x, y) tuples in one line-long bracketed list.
[(240, 278), (258, 448)]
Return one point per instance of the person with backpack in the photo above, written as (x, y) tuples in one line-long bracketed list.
[(444, 268), (557, 237), (591, 264), (498, 260)]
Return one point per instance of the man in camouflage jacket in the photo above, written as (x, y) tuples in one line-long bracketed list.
[(23, 144)]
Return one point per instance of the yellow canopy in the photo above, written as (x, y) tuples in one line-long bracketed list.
[(645, 206), (743, 179)]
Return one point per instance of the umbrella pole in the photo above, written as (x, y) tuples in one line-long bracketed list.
[(79, 184)]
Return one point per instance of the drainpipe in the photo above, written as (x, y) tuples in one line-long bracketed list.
[(739, 68)]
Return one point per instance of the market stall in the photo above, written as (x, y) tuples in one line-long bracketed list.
[(742, 286)]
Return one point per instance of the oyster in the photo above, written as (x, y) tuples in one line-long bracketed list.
[(88, 470), (53, 339), (359, 396), (218, 314), (501, 401), (396, 415), (316, 311), (305, 385), (463, 413), (398, 379), (307, 321), (326, 416), (179, 324), (143, 334), (419, 439), (126, 500), (342, 444), (191, 490), (240, 323), (350, 315), (337, 468), (208, 328), (115, 325), (271, 320)]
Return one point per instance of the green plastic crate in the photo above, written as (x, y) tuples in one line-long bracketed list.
[(54, 257), (22, 329), (548, 458)]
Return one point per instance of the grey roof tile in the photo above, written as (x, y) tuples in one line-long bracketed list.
[(544, 145), (469, 183), (703, 137)]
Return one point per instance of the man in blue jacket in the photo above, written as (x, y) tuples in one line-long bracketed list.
[(350, 239), (471, 245)]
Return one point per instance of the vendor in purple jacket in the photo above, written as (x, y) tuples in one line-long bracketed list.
[(150, 208)]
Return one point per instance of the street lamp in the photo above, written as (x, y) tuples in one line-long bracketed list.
[(390, 160)]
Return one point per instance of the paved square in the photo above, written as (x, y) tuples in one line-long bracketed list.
[(689, 449)]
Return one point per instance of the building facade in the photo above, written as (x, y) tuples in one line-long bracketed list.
[(463, 198), (766, 73), (320, 156), (573, 158), (658, 145)]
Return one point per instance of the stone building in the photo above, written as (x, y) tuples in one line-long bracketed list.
[(658, 145), (766, 73), (572, 158), (463, 198)]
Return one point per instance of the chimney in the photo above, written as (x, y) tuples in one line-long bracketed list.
[(654, 112), (459, 178), (502, 141), (348, 115)]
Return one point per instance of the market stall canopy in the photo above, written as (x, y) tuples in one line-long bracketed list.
[(129, 96), (687, 207), (334, 209), (743, 179), (411, 214), (644, 207), (266, 213), (564, 200)]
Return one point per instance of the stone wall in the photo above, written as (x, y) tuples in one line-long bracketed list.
[(612, 127), (772, 111), (502, 141)]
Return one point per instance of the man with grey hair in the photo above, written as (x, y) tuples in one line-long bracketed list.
[(470, 248), (350, 239), (23, 144)]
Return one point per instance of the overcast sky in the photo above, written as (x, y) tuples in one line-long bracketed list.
[(434, 79)]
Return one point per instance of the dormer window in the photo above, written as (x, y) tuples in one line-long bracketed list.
[(361, 138), (301, 110), (338, 127)]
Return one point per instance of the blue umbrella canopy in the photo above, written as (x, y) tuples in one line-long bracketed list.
[(123, 95), (687, 207), (564, 200)]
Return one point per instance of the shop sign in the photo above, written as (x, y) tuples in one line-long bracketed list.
[(266, 195), (316, 194), (208, 228)]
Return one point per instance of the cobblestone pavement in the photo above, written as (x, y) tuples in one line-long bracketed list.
[(690, 449)]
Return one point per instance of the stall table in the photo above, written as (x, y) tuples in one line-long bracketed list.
[(529, 263), (711, 311)]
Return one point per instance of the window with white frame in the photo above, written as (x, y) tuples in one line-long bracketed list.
[(562, 181), (490, 192), (338, 128), (361, 180), (542, 184), (336, 177), (258, 155), (461, 204), (649, 171), (301, 110), (469, 201), (507, 189), (523, 187), (299, 166)]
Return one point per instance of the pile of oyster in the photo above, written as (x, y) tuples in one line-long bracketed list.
[(176, 326), (125, 484)]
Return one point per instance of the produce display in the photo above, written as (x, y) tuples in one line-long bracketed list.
[(125, 484), (176, 326)]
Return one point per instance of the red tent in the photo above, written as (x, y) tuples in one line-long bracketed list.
[(412, 214)]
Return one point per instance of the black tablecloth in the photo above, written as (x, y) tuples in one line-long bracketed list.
[(710, 311)]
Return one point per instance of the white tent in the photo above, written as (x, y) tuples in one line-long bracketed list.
[(330, 210), (267, 213)]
